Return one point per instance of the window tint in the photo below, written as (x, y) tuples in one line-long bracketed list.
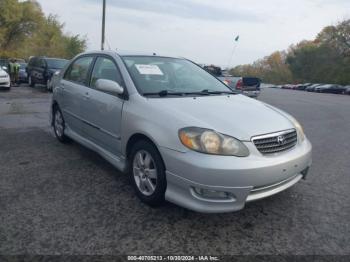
[(56, 63), (79, 70), (105, 69), (33, 61)]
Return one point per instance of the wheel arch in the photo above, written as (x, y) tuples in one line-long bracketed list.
[(133, 140), (54, 105)]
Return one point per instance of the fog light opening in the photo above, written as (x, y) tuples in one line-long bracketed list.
[(213, 194)]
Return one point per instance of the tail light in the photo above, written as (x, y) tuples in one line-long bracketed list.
[(227, 82), (239, 84)]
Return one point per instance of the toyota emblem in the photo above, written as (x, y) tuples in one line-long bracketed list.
[(281, 140)]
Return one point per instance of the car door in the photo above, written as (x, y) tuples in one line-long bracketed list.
[(33, 71), (72, 89), (102, 111), (39, 71)]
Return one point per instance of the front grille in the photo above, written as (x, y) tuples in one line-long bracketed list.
[(276, 142)]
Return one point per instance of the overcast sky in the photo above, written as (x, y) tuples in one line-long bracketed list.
[(201, 30)]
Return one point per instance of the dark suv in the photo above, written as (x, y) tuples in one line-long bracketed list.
[(41, 69)]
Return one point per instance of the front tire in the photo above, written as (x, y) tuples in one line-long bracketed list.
[(147, 172), (59, 125)]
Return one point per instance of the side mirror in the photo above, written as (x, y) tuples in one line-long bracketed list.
[(4, 68), (109, 86)]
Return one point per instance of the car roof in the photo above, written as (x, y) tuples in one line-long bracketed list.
[(54, 58), (45, 57), (126, 53)]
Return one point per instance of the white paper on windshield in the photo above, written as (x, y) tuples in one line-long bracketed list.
[(149, 70)]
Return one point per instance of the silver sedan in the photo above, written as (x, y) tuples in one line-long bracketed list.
[(180, 133)]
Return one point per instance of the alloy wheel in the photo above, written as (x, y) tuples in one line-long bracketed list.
[(59, 124), (145, 172)]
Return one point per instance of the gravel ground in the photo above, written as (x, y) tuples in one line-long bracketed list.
[(65, 199)]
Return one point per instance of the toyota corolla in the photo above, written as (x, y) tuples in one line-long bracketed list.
[(180, 133)]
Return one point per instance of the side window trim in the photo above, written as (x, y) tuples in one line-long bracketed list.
[(125, 95), (91, 69), (122, 84)]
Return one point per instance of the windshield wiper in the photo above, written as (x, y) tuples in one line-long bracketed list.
[(164, 93), (204, 92), (207, 92)]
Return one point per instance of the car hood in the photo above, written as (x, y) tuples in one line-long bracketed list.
[(234, 115)]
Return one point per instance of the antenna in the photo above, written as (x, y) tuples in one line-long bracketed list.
[(103, 25), (233, 51)]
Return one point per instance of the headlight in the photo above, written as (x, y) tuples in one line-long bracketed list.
[(210, 142), (300, 130)]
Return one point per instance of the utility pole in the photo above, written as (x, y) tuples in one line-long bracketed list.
[(103, 25)]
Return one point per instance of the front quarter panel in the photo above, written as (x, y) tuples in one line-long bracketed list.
[(140, 117)]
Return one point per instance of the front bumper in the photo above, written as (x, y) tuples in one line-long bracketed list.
[(5, 83), (23, 78), (242, 179)]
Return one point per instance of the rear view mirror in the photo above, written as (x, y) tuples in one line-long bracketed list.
[(109, 86)]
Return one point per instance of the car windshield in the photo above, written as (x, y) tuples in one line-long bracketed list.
[(56, 63), (22, 65), (164, 75)]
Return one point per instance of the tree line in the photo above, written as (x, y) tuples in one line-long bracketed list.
[(25, 31), (326, 59)]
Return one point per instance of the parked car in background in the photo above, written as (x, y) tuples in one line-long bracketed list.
[(270, 86), (231, 81), (303, 86), (347, 91), (312, 87), (287, 86), (330, 88), (320, 88), (23, 76), (4, 79), (53, 81), (41, 69), (249, 86), (336, 89), (4, 64)]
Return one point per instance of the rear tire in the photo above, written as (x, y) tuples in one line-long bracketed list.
[(147, 173), (59, 125)]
